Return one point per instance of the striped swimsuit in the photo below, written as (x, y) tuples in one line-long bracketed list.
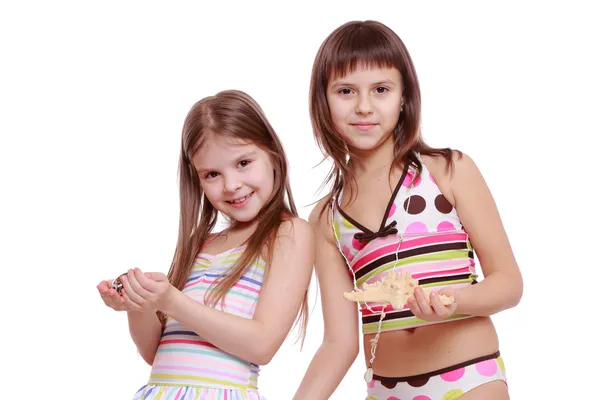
[(186, 367), (435, 248)]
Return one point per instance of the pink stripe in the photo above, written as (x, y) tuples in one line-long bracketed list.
[(238, 285), (407, 244), (231, 298), (164, 358), (444, 272), (189, 285), (430, 267), (440, 265), (178, 393)]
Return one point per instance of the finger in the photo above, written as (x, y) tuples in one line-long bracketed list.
[(103, 287), (113, 303), (146, 282), (423, 301), (129, 303), (131, 294), (136, 286), (440, 309), (452, 308), (156, 276), (414, 307)]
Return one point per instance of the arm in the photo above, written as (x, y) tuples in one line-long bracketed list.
[(144, 327), (340, 340), (145, 330), (502, 287), (280, 299)]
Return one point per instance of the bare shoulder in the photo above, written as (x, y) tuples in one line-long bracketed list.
[(320, 219), (295, 227), (467, 181), (298, 230)]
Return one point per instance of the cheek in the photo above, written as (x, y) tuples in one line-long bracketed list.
[(212, 192), (338, 111), (265, 178), (340, 123), (391, 107)]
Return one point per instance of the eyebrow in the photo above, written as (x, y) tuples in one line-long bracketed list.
[(241, 157), (378, 83), (245, 155)]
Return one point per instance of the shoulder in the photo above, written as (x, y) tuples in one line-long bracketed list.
[(467, 181), (297, 229), (320, 218), (439, 165), (294, 226)]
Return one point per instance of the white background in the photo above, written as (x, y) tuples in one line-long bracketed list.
[(93, 96)]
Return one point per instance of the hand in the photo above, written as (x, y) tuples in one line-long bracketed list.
[(112, 298), (150, 291), (432, 309)]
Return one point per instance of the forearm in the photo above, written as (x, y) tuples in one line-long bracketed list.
[(326, 371), (244, 338), (145, 330), (497, 292)]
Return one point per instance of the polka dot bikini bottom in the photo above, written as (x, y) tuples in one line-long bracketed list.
[(445, 384)]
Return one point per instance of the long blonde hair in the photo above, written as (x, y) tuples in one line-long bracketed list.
[(233, 114)]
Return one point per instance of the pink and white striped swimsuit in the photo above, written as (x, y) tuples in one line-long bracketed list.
[(435, 249), (187, 367)]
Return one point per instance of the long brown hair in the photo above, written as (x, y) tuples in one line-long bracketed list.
[(368, 44), (233, 114)]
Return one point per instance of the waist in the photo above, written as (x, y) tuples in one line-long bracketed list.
[(433, 347), (185, 359)]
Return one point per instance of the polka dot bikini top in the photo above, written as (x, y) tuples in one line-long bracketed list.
[(435, 248)]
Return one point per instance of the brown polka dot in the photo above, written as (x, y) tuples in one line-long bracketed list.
[(389, 384), (442, 204), (416, 206), (418, 382)]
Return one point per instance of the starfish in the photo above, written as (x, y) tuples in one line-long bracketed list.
[(394, 289)]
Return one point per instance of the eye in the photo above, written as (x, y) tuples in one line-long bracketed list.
[(244, 163), (345, 91), (211, 175), (381, 89)]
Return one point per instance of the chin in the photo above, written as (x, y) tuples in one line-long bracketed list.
[(244, 215), (366, 144)]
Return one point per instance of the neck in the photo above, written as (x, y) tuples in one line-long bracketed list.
[(373, 160), (248, 226)]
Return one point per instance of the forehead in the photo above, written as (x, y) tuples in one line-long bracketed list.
[(221, 150), (366, 73)]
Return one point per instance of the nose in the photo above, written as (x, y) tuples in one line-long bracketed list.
[(363, 104), (232, 183)]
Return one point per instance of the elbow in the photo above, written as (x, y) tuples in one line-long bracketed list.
[(515, 291), (263, 354), (148, 357), (518, 292), (264, 349), (148, 360), (352, 351)]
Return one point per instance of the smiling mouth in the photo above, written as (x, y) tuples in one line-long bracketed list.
[(241, 199), (363, 126)]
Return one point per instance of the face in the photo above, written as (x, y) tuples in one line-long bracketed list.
[(365, 106), (236, 176)]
